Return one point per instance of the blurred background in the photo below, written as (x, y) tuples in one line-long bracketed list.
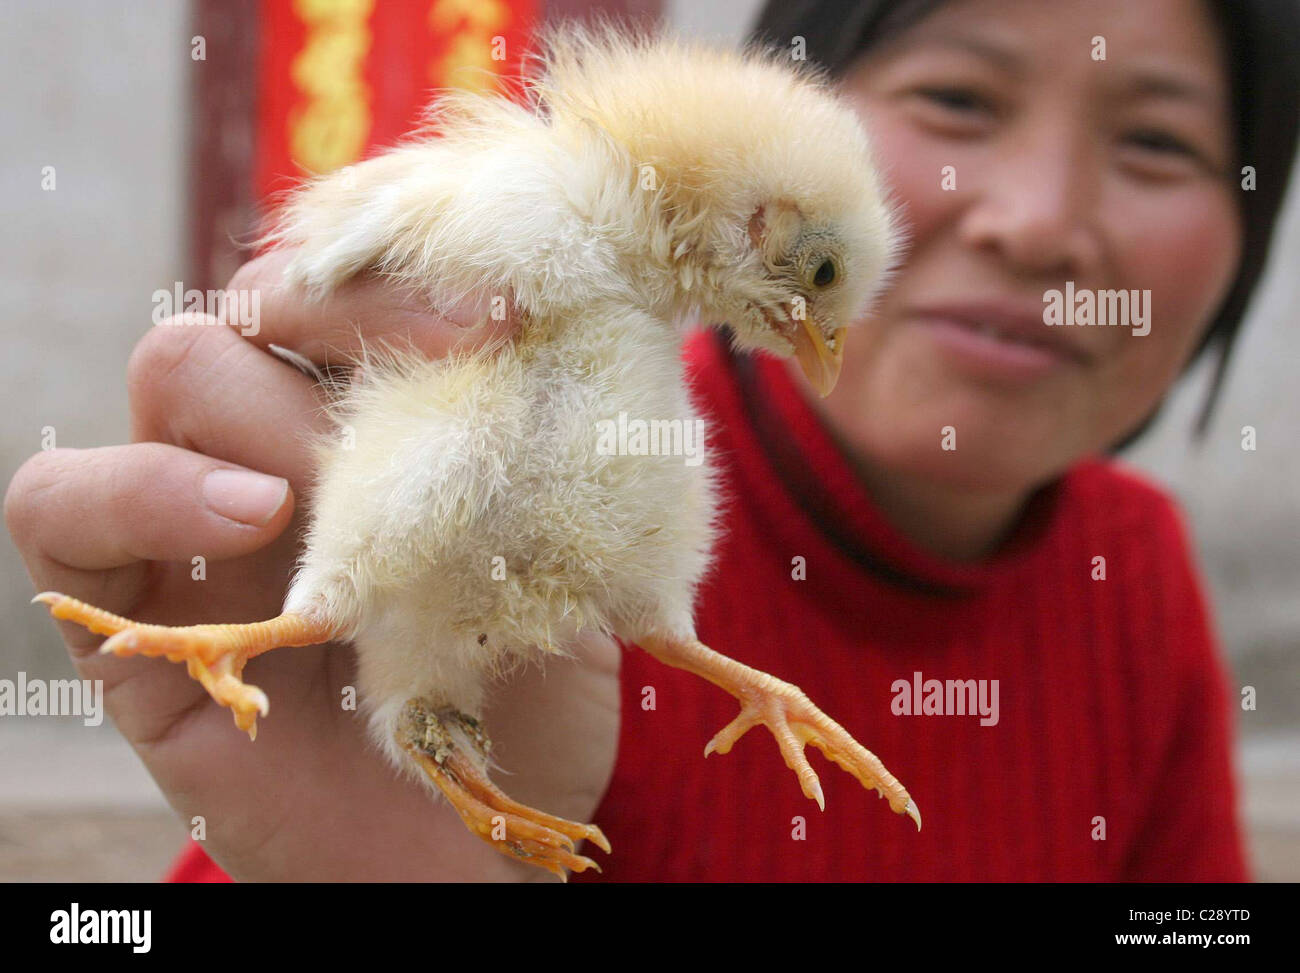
[(165, 122)]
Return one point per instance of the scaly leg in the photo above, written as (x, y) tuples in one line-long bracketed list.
[(214, 654), (513, 829), (788, 714)]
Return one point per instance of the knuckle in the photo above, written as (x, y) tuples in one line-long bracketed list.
[(254, 273), (163, 349), (171, 357), (128, 488), (23, 502)]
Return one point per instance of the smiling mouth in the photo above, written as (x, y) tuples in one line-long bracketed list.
[(1025, 337), (998, 334), (997, 353)]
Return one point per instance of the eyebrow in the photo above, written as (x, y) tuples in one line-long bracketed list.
[(1159, 84), (1146, 81), (983, 47)]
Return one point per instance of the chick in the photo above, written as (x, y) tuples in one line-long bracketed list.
[(470, 517)]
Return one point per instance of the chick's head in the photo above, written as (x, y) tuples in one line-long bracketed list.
[(805, 271), (762, 207)]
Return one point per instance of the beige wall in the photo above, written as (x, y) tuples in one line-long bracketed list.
[(99, 92)]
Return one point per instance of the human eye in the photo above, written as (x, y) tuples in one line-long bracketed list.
[(1160, 143), (955, 98), (954, 111), (1158, 153)]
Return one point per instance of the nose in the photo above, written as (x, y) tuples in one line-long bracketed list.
[(1035, 203)]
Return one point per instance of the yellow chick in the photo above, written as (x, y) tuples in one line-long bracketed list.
[(474, 513)]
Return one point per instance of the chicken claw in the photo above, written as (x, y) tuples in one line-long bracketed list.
[(790, 716), (214, 654), (437, 739)]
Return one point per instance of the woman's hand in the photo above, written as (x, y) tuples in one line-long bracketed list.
[(219, 430)]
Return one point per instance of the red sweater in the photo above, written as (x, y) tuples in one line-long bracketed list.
[(1111, 704)]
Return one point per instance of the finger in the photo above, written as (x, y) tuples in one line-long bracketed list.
[(328, 330), (94, 509), (201, 386)]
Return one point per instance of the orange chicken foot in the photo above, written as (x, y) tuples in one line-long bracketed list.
[(437, 738), (214, 654), (790, 716)]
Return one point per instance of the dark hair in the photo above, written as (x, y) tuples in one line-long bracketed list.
[(1261, 39)]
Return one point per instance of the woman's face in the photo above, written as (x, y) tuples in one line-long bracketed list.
[(1022, 162)]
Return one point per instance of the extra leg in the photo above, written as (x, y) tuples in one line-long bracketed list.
[(214, 654), (791, 717), (451, 749)]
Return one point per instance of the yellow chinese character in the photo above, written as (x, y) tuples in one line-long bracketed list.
[(467, 64), (480, 16)]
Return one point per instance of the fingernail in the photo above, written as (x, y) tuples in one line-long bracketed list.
[(249, 498)]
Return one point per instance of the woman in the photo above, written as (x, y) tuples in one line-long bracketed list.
[(942, 517)]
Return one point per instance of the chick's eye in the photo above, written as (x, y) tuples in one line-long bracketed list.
[(824, 276)]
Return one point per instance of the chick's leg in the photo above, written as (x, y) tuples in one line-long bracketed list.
[(214, 654), (790, 716), (450, 748)]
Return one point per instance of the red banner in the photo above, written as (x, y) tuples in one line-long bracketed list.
[(341, 79)]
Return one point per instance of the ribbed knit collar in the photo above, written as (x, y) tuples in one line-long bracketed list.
[(790, 446)]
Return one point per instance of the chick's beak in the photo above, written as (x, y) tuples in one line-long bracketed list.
[(820, 363)]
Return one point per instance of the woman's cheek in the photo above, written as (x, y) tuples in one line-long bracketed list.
[(1185, 255)]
